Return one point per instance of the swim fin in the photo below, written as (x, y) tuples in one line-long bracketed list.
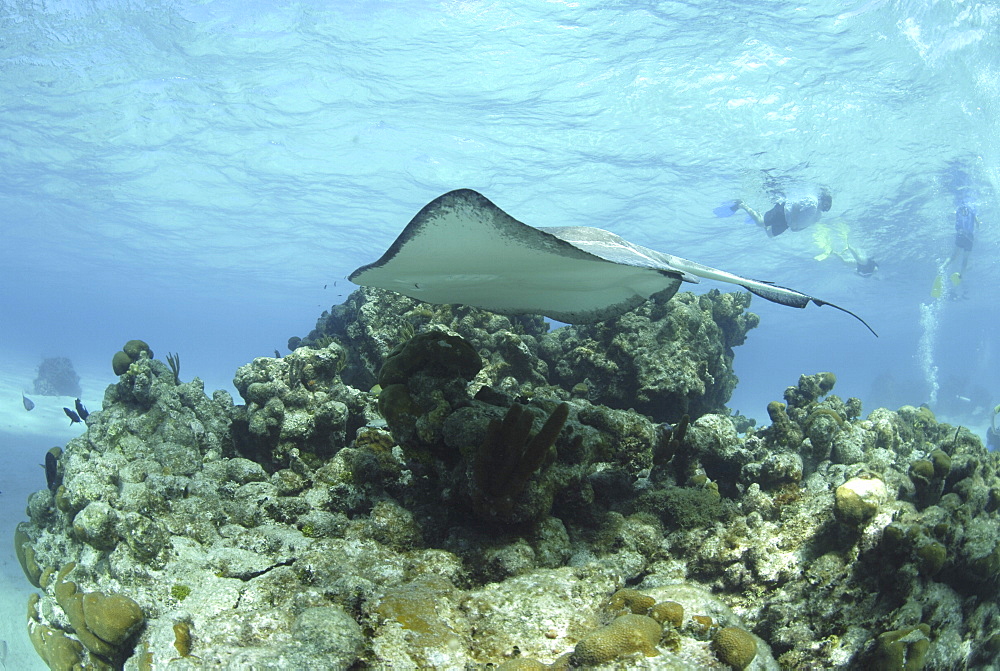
[(727, 209), (956, 279), (938, 287), (821, 236)]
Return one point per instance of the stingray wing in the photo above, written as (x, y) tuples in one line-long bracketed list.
[(461, 248)]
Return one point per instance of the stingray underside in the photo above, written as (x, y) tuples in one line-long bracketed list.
[(461, 248)]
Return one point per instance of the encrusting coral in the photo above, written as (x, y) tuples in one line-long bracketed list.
[(487, 505)]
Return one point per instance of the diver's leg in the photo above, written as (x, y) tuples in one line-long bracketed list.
[(754, 214)]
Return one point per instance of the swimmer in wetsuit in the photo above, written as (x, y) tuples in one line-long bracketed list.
[(796, 210), (966, 225)]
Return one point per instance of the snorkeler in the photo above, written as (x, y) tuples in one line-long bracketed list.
[(863, 266), (966, 224), (832, 240), (796, 209)]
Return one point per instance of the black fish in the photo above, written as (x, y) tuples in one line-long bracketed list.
[(73, 417), (81, 410), (52, 478), (28, 403)]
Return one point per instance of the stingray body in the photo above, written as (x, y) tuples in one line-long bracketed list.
[(461, 248)]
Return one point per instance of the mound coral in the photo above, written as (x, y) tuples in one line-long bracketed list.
[(735, 646), (626, 635)]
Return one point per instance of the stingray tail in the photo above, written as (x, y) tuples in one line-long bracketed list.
[(795, 299)]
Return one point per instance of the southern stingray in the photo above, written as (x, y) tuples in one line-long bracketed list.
[(461, 248)]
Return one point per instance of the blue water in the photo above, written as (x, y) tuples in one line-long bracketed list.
[(203, 175)]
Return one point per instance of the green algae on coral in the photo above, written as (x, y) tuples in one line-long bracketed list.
[(180, 591), (783, 430), (685, 507), (932, 556), (810, 389), (415, 607), (857, 500), (135, 349), (431, 352), (120, 362)]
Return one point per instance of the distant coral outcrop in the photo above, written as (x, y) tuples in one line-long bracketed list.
[(56, 377)]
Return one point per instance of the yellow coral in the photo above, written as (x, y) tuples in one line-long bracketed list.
[(101, 622), (631, 600), (668, 612), (26, 555), (735, 647), (111, 617), (903, 649), (625, 635)]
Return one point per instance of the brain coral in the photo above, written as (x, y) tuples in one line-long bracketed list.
[(734, 646), (625, 635)]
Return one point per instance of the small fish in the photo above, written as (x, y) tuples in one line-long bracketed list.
[(52, 468), (28, 403), (73, 417), (81, 410)]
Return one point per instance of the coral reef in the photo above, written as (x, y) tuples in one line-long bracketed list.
[(56, 377), (422, 486), (664, 359), (297, 410)]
